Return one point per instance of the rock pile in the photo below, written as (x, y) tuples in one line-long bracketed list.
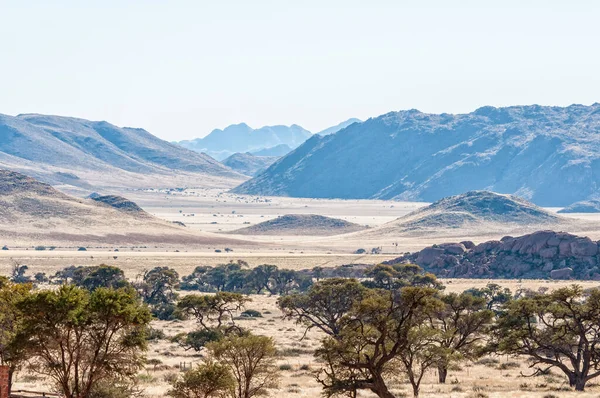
[(542, 254)]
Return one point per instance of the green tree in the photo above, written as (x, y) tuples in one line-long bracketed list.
[(260, 278), (251, 361), (79, 338), (12, 353), (103, 276), (373, 337), (158, 286), (494, 295), (213, 309), (463, 322), (208, 380), (557, 330), (324, 304), (396, 276)]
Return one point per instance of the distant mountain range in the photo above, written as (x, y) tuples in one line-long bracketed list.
[(548, 155), (83, 153), (279, 150), (265, 141)]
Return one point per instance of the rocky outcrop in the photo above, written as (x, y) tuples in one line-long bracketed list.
[(543, 254)]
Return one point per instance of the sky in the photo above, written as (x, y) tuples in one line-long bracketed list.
[(181, 68)]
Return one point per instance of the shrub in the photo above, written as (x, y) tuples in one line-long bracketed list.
[(285, 366), (40, 248), (82, 249), (207, 380), (252, 314)]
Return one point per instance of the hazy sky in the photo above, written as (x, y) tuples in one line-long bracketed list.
[(181, 68)]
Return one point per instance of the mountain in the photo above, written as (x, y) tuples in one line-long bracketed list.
[(248, 164), (242, 138), (584, 206), (342, 125), (278, 150), (35, 213), (83, 153), (301, 224), (548, 155)]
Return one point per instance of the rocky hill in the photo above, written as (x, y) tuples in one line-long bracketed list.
[(301, 224), (34, 213), (475, 211), (242, 138), (120, 203), (83, 153), (248, 164), (543, 254), (548, 155), (584, 206)]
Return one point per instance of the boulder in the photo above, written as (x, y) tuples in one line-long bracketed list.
[(548, 252), (548, 267), (564, 248), (563, 273), (584, 247), (454, 248), (468, 244), (487, 246), (429, 255)]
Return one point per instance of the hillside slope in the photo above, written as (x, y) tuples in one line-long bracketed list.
[(64, 150), (34, 213), (248, 164), (548, 155), (338, 127)]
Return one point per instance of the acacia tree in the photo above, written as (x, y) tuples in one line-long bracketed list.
[(211, 309), (214, 313), (251, 361), (12, 353), (495, 295), (420, 353), (324, 305), (462, 322), (79, 339), (372, 337), (557, 330)]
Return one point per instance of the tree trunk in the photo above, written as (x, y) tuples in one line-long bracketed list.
[(380, 389), (442, 373), (580, 383)]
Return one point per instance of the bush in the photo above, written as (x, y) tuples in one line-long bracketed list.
[(252, 314), (285, 366), (155, 334), (167, 312), (82, 249), (4, 247), (196, 340), (40, 248), (209, 379)]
